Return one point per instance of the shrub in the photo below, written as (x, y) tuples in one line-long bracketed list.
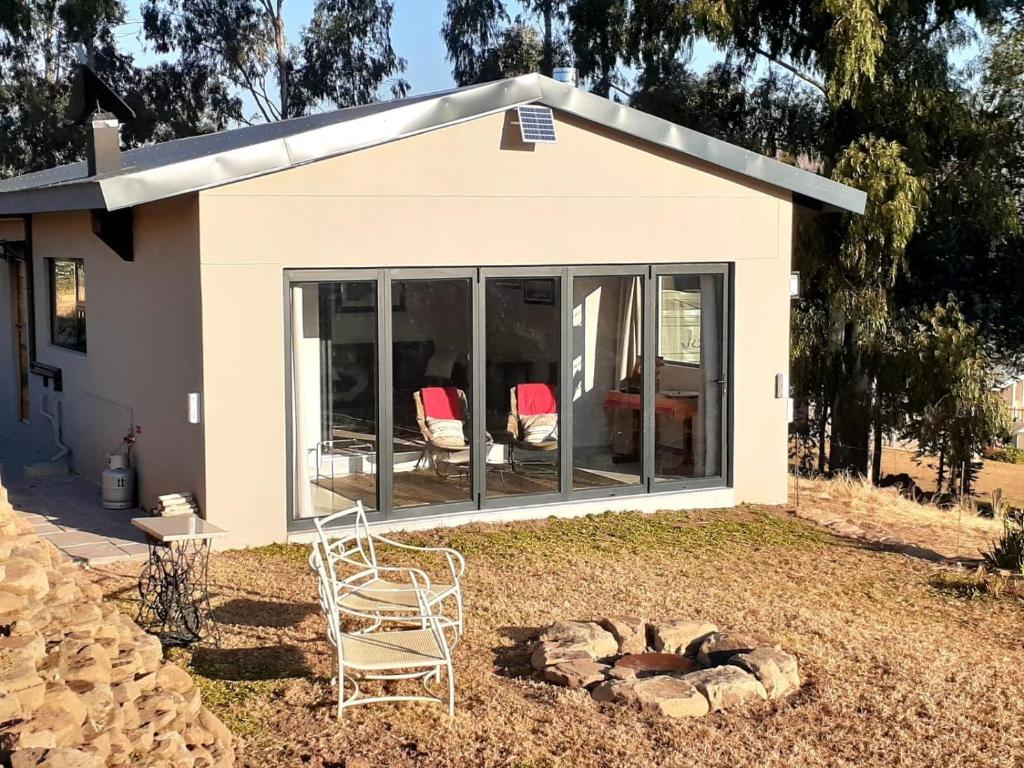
[(1008, 552), (1013, 455), (1008, 455)]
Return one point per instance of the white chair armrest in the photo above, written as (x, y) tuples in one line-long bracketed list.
[(456, 562)]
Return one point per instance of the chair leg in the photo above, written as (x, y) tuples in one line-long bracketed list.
[(341, 689), (459, 617), (341, 696), (451, 690)]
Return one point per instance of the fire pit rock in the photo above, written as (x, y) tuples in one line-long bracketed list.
[(674, 668), (661, 694), (719, 647), (629, 631), (572, 640)]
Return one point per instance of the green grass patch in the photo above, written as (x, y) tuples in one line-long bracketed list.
[(629, 532), (602, 534), (965, 586), (291, 553), (237, 696), (240, 704)]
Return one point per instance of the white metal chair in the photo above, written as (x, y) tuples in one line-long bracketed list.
[(363, 591), (408, 654)]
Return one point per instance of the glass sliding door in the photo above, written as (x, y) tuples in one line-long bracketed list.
[(523, 352), (607, 321), (428, 390), (431, 391), (689, 377), (334, 395)]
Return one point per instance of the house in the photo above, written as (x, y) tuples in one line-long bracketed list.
[(1010, 387), (583, 307)]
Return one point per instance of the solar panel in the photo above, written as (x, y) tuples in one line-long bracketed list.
[(537, 124)]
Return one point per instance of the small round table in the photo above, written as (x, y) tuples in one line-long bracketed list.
[(174, 584)]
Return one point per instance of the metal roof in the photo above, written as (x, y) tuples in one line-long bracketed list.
[(200, 162)]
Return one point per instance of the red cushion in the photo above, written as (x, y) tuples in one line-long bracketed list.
[(441, 403), (534, 399)]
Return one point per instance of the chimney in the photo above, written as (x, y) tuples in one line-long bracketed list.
[(94, 104), (566, 75), (103, 144)]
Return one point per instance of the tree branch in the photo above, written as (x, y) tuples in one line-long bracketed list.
[(620, 89), (792, 69), (251, 87)]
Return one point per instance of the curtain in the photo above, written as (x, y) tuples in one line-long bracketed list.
[(630, 330), (707, 440), (300, 405)]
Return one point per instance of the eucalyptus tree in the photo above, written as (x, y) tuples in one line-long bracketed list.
[(898, 121), (471, 30), (37, 57), (342, 56), (483, 42), (954, 410)]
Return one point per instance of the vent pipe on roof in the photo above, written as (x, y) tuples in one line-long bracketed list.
[(566, 75)]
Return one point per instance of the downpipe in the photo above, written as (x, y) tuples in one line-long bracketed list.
[(54, 420)]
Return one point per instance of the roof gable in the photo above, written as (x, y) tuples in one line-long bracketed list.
[(189, 165)]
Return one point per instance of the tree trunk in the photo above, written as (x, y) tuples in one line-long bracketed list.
[(876, 456), (282, 59), (851, 422), (822, 432), (547, 66), (941, 476)]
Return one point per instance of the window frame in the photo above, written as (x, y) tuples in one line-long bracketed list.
[(660, 350), (80, 306)]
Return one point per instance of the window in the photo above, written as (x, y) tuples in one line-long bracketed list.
[(680, 324), (67, 303)]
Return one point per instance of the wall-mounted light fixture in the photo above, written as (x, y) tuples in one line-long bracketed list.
[(195, 408)]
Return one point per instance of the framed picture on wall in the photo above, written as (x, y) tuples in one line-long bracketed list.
[(362, 297), (539, 290)]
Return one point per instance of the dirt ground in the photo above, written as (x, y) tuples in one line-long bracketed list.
[(993, 474), (904, 663)]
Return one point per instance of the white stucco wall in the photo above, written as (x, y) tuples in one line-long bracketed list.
[(455, 198), (143, 345)]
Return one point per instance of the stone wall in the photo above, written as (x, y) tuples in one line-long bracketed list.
[(81, 685)]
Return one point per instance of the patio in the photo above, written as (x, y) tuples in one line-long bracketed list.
[(65, 509)]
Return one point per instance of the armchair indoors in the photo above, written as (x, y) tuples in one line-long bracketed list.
[(533, 422), (442, 414)]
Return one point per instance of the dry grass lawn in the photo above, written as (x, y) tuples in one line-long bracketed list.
[(993, 474), (948, 532), (905, 663)]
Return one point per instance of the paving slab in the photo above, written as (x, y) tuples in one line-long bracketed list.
[(71, 538), (67, 509), (98, 553), (44, 529), (135, 551)]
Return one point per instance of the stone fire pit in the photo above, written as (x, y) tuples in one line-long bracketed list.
[(673, 668)]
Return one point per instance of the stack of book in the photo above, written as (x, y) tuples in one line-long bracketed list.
[(176, 504)]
